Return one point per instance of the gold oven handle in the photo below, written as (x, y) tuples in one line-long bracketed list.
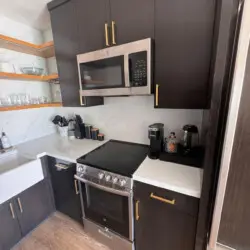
[(172, 202), (76, 187), (107, 34), (113, 33), (157, 95), (12, 211), (20, 205), (137, 216)]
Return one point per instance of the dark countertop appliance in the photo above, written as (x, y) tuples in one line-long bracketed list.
[(156, 137), (79, 128), (190, 137), (105, 178)]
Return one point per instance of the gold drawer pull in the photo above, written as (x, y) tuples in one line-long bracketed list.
[(137, 216), (20, 205), (107, 34), (113, 33), (157, 95), (12, 211), (76, 187), (172, 202)]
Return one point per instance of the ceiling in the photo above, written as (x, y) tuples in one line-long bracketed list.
[(33, 13)]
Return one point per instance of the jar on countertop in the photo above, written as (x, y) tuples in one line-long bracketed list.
[(171, 143)]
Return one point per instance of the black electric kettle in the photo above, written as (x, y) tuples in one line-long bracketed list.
[(190, 137)]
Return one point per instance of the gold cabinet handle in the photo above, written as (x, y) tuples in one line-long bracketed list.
[(76, 187), (157, 95), (12, 211), (113, 33), (172, 202), (20, 205), (107, 34), (137, 216)]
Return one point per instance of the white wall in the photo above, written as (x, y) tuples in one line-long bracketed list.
[(20, 31), (128, 118), (25, 124)]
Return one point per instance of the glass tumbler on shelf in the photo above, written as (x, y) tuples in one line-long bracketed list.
[(25, 99)]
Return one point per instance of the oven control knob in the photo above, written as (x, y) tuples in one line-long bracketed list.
[(100, 175), (122, 182), (80, 169), (115, 180), (107, 177)]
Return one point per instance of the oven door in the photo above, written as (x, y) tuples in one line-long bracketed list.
[(108, 207)]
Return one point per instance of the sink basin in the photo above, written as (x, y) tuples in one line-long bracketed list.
[(18, 173)]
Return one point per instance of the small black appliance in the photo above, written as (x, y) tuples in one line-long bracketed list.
[(156, 137), (79, 128), (190, 137)]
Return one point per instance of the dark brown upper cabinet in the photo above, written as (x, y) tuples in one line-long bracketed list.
[(131, 20), (183, 44), (93, 22), (65, 28)]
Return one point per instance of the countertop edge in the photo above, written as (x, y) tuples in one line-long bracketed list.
[(167, 186)]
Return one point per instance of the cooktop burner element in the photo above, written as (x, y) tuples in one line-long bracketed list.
[(117, 157)]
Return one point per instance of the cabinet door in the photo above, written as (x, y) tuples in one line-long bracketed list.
[(91, 17), (183, 43), (33, 206), (66, 194), (161, 225), (66, 41), (10, 232), (134, 19)]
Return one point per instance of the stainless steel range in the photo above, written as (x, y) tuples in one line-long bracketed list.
[(106, 187)]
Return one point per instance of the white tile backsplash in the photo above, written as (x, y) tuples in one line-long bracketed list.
[(24, 125), (128, 118)]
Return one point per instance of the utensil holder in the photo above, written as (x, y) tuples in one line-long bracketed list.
[(63, 131)]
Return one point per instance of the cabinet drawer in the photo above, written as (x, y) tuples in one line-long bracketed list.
[(170, 199)]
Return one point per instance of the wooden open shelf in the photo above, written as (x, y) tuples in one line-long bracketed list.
[(27, 77), (44, 50), (32, 106)]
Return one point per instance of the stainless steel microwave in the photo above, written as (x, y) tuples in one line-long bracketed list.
[(116, 71)]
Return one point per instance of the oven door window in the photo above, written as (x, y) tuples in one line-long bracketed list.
[(108, 209), (105, 73)]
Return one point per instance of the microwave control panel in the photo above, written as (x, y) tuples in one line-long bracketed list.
[(138, 69)]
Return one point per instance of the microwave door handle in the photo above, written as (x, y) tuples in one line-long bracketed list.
[(107, 189)]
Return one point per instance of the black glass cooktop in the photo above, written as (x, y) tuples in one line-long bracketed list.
[(117, 157)]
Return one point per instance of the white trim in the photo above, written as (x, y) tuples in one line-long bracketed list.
[(238, 81)]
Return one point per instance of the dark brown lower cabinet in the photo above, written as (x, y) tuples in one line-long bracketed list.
[(164, 219), (23, 213), (65, 188), (34, 205), (10, 232)]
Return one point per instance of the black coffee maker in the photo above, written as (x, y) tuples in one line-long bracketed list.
[(156, 137)]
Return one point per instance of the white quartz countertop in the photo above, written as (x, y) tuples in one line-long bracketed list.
[(58, 147), (175, 177)]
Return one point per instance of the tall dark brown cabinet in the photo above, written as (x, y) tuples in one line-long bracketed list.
[(234, 226), (65, 28)]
